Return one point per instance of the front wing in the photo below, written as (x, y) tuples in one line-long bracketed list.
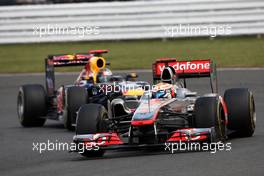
[(112, 141)]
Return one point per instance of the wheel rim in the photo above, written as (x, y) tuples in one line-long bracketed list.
[(221, 120), (252, 112), (103, 126), (20, 106)]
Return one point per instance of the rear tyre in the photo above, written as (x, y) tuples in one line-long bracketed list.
[(241, 112), (75, 98), (90, 120), (32, 105), (209, 113)]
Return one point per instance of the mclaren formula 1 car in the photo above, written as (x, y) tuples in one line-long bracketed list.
[(179, 115), (35, 103)]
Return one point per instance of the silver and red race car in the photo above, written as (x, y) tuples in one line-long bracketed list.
[(167, 113)]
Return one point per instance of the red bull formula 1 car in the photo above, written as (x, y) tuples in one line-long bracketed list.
[(35, 104), (179, 115)]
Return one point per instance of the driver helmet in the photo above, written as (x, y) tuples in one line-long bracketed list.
[(164, 90), (104, 75)]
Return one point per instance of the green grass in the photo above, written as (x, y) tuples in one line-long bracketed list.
[(227, 52)]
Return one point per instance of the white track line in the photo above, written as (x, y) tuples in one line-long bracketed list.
[(125, 71)]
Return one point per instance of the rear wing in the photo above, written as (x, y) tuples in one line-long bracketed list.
[(187, 69), (78, 59), (65, 60)]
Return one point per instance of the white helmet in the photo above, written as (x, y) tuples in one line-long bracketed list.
[(104, 75)]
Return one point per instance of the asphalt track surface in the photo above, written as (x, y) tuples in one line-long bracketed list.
[(18, 158)]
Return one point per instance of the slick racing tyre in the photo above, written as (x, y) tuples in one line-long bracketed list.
[(209, 113), (32, 105), (75, 97), (90, 120), (241, 112)]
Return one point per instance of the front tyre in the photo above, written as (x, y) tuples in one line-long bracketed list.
[(209, 113), (241, 112), (91, 120), (75, 98), (31, 105)]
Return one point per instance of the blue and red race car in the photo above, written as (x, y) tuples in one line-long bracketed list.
[(35, 104), (167, 113)]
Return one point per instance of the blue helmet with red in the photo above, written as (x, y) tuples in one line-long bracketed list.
[(164, 90)]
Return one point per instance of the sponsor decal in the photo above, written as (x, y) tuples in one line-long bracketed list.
[(199, 66)]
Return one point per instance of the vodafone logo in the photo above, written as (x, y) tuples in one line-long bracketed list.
[(191, 66), (199, 66)]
